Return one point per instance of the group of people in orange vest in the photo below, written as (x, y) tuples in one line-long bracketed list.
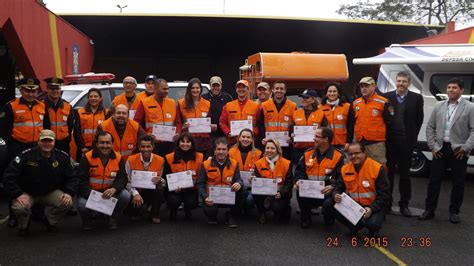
[(113, 143)]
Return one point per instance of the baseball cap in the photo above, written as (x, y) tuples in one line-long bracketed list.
[(47, 134), (243, 82), (263, 85), (151, 77), (367, 80), (309, 93), (215, 80)]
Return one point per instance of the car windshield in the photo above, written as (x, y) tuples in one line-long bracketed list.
[(69, 95)]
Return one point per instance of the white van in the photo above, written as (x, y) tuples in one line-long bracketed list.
[(430, 67)]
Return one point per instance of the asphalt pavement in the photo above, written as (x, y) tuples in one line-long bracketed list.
[(435, 242)]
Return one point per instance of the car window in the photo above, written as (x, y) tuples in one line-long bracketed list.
[(439, 84), (69, 95), (106, 101), (177, 92)]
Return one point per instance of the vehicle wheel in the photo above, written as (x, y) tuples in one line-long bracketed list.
[(420, 166)]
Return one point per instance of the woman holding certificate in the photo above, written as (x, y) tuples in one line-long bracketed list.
[(274, 183), (245, 153), (306, 120), (181, 163), (339, 115), (194, 111)]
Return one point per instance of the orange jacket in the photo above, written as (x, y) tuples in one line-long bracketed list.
[(58, 120), (214, 176), (156, 165), (27, 124), (337, 121), (282, 166), (200, 111), (318, 171), (314, 119), (122, 99), (126, 146), (370, 124), (233, 111), (89, 123), (360, 186), (252, 157), (184, 166), (278, 121), (101, 178), (155, 114)]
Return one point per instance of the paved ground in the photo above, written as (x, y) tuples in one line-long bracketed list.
[(196, 243)]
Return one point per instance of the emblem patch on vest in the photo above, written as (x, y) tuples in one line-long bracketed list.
[(365, 183), (55, 164), (113, 174), (375, 112), (168, 115), (204, 114), (286, 118), (340, 117)]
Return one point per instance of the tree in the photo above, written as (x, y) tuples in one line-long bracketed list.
[(419, 11)]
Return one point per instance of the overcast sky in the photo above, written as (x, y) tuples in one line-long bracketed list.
[(286, 8)]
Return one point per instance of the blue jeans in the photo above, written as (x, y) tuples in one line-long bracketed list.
[(123, 200)]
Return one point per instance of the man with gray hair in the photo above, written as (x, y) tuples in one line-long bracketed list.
[(129, 98)]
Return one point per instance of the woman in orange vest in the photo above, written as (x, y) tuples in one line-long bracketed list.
[(339, 115), (274, 166), (194, 106), (184, 158), (245, 153), (309, 115), (88, 118)]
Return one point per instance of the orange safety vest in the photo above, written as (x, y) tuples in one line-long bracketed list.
[(201, 110), (184, 166), (126, 146), (248, 112), (318, 171), (314, 119), (156, 114), (214, 176), (140, 96), (156, 165), (282, 166), (101, 178), (252, 157), (278, 121), (122, 99), (360, 186), (58, 120), (27, 124), (369, 118), (89, 123), (337, 121)]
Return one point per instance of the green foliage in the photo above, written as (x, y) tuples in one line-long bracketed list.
[(419, 11)]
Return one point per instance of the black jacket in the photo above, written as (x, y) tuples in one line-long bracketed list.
[(35, 175), (119, 183), (413, 115), (217, 104)]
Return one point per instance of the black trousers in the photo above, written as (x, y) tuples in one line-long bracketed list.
[(234, 210), (63, 145), (306, 204), (458, 177), (187, 196), (151, 197), (399, 156), (373, 223), (280, 207)]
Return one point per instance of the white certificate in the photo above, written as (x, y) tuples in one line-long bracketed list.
[(131, 114), (311, 189), (237, 125), (304, 133), (199, 125), (222, 195), (281, 136), (142, 179), (350, 209), (182, 179), (246, 177), (164, 133), (264, 186), (96, 203)]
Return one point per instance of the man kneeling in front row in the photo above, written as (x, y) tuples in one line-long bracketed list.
[(102, 170), (365, 181), (43, 175)]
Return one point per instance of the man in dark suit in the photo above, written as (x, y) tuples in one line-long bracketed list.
[(402, 137)]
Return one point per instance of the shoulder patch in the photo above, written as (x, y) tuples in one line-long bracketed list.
[(62, 152), (17, 159), (26, 151), (379, 100)]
